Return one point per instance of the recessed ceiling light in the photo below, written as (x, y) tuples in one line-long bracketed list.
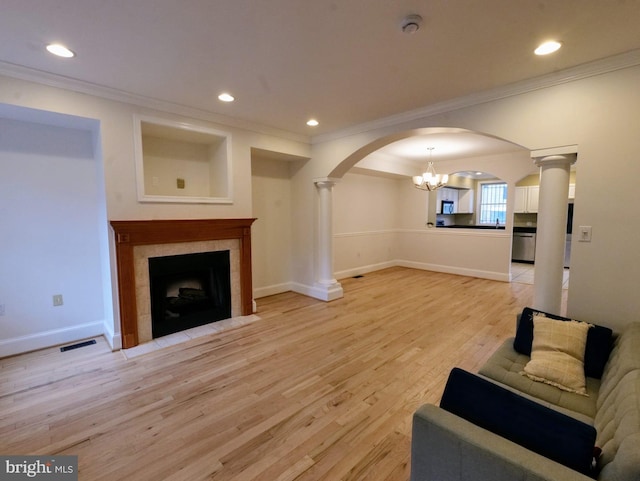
[(547, 47), (225, 97), (312, 123), (60, 50)]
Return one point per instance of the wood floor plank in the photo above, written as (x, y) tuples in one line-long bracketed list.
[(312, 391)]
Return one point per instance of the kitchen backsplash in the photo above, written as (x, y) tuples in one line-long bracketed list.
[(525, 220)]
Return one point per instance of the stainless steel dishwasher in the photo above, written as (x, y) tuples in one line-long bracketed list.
[(524, 247)]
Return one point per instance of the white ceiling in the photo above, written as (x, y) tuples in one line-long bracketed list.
[(446, 146), (344, 62)]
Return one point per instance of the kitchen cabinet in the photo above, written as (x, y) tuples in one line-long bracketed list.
[(446, 193), (533, 195), (466, 201), (520, 205), (527, 200)]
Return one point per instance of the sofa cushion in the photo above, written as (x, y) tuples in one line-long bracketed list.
[(625, 357), (525, 422), (505, 365), (599, 341), (618, 425), (557, 354)]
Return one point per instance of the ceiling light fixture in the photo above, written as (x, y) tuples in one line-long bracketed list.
[(313, 123), (226, 97), (547, 47), (411, 23), (60, 50), (429, 180)]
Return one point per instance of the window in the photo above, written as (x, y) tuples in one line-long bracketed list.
[(493, 203)]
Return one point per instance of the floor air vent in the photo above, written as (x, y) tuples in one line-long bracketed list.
[(76, 346), (358, 276)]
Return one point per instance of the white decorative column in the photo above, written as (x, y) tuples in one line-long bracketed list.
[(327, 287), (551, 231)]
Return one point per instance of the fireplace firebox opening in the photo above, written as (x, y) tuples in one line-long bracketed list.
[(189, 290)]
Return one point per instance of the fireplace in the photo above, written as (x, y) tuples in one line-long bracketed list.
[(189, 290), (138, 241)]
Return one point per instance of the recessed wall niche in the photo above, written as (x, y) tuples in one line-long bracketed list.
[(178, 162)]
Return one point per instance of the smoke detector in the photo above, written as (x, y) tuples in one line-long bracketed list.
[(411, 23)]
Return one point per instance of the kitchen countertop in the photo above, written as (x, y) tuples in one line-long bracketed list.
[(486, 227)]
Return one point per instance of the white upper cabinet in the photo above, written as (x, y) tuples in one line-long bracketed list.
[(465, 201), (526, 200), (520, 205), (532, 199)]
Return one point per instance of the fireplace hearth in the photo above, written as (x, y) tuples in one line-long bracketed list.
[(189, 290)]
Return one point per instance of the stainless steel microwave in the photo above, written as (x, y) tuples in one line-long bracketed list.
[(447, 207)]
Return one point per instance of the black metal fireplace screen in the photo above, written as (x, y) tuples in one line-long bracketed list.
[(189, 290)]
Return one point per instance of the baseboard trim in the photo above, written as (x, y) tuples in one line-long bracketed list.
[(113, 339), (259, 292), (41, 340), (358, 271), (460, 271), (321, 292), (330, 293)]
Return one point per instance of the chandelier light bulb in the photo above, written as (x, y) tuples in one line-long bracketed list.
[(429, 180)]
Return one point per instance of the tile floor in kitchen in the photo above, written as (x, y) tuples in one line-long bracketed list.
[(523, 273)]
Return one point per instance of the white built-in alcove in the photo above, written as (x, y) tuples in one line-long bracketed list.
[(179, 162), (54, 233)]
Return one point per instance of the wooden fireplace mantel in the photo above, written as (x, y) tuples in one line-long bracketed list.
[(131, 233)]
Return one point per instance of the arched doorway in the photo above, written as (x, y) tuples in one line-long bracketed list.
[(367, 242)]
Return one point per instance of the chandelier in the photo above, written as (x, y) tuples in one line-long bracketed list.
[(429, 180)]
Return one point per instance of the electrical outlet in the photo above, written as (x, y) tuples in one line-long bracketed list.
[(57, 300)]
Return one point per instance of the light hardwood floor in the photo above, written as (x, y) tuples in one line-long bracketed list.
[(312, 391)]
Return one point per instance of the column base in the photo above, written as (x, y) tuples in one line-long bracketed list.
[(327, 291)]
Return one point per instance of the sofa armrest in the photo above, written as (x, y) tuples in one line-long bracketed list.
[(446, 447)]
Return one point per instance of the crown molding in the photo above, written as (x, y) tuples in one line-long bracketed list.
[(58, 81), (587, 70), (591, 69)]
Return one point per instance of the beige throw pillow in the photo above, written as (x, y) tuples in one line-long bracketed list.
[(557, 354)]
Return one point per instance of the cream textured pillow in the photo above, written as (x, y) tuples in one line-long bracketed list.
[(557, 354)]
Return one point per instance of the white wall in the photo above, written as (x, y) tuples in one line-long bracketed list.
[(116, 128), (161, 170), (52, 211), (271, 233), (381, 222), (365, 222)]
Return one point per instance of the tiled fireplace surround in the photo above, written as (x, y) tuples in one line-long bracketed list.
[(137, 241)]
